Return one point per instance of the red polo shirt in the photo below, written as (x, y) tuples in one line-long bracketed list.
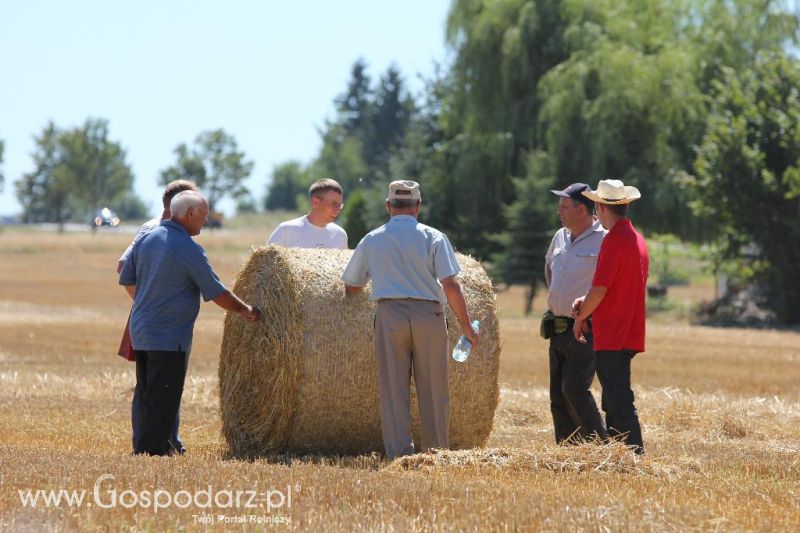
[(622, 267)]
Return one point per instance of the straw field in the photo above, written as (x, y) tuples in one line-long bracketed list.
[(720, 411)]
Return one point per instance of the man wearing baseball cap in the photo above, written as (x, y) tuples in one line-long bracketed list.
[(569, 267), (413, 269), (616, 303)]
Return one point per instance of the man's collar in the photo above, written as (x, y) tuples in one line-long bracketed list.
[(171, 223), (596, 226), (621, 223), (403, 218)]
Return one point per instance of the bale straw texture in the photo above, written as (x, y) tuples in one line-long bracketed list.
[(305, 379)]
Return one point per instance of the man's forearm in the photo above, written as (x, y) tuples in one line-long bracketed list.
[(230, 302), (455, 299), (593, 299), (131, 289)]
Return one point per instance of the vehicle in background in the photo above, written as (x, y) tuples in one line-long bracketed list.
[(105, 217), (214, 220)]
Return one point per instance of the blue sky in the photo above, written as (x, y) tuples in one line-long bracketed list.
[(162, 72)]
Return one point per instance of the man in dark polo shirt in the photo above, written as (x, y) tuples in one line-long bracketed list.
[(616, 303), (166, 273)]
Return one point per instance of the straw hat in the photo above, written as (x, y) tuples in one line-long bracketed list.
[(613, 192)]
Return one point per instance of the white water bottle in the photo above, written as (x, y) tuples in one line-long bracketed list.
[(464, 346)]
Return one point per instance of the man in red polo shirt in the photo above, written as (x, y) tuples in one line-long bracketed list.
[(616, 304)]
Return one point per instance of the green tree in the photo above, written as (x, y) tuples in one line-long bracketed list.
[(530, 222), (95, 165), (76, 171), (392, 112), (748, 175), (488, 111), (355, 218), (246, 204), (130, 207), (734, 34), (340, 159), (288, 180), (355, 104), (215, 164), (371, 123), (44, 192)]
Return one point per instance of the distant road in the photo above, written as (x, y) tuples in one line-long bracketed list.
[(72, 227)]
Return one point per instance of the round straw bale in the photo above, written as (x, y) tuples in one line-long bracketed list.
[(305, 379)]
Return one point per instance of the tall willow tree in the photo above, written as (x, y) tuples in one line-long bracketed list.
[(626, 105), (488, 112)]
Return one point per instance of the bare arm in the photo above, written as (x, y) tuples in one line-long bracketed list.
[(131, 289), (230, 302), (455, 298), (349, 289), (584, 307)]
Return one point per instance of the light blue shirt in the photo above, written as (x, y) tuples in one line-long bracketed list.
[(170, 272), (404, 259), (572, 265)]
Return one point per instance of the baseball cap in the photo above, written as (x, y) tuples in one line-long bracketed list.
[(575, 191), (404, 190)]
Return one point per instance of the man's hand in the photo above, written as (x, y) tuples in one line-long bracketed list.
[(576, 306), (579, 329), (252, 313), (472, 335)]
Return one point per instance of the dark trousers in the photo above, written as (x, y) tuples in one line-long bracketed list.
[(614, 372), (572, 366), (136, 422), (159, 387)]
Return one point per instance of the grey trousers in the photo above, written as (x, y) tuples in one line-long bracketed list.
[(411, 335)]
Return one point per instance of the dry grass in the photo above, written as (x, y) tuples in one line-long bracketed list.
[(720, 411)]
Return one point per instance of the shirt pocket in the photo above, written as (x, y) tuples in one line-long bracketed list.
[(587, 259), (557, 259)]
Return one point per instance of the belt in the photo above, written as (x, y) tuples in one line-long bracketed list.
[(408, 300), (571, 322)]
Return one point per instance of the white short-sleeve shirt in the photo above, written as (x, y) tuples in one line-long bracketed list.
[(301, 233)]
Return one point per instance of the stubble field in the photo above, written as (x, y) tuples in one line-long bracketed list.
[(720, 410)]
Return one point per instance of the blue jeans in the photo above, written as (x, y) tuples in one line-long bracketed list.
[(136, 423)]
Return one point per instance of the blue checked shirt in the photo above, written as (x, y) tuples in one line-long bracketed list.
[(170, 272)]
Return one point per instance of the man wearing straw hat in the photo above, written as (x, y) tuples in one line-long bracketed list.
[(413, 270), (167, 273), (316, 229), (616, 303), (569, 267)]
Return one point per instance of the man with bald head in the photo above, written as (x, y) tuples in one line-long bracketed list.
[(166, 274)]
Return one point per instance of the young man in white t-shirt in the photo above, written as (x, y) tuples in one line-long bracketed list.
[(317, 229)]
